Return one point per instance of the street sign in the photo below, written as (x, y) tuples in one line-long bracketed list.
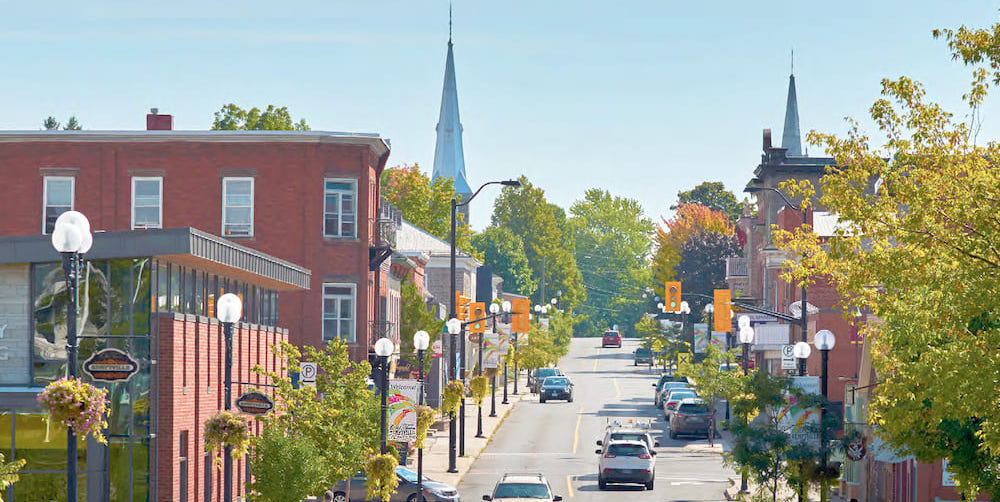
[(307, 375), (787, 357), (683, 357), (255, 402), (110, 365), (437, 348)]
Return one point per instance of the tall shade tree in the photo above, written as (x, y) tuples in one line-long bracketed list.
[(713, 195), (702, 268), (426, 203), (612, 241), (526, 213), (339, 413), (234, 118), (503, 250), (671, 236), (415, 317), (917, 247)]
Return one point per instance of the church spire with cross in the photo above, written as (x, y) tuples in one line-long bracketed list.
[(449, 158), (791, 139)]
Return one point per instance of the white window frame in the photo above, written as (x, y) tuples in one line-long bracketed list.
[(225, 185), (353, 296), (354, 194), (159, 216), (45, 195)]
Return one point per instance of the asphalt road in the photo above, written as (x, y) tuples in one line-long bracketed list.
[(558, 438)]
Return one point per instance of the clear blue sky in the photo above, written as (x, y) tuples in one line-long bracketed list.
[(641, 98)]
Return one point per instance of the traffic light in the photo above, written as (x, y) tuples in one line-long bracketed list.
[(519, 320), (723, 310), (462, 307), (673, 297), (477, 310)]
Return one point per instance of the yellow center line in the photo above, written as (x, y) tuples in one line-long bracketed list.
[(576, 433), (569, 486), (618, 392)]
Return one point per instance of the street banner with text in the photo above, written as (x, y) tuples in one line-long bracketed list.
[(800, 422), (491, 350), (402, 401)]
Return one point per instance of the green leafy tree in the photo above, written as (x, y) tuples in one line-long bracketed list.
[(415, 316), (760, 444), (233, 118), (51, 124), (612, 241), (426, 204), (713, 195), (916, 247), (8, 473), (526, 213), (711, 377), (503, 250), (340, 413), (280, 474)]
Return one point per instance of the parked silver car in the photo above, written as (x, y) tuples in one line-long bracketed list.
[(434, 491)]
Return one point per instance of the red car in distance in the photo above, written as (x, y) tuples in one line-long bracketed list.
[(611, 339)]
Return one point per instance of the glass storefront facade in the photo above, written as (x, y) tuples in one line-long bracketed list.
[(118, 300)]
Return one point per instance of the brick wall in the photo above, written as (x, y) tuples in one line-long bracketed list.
[(288, 194), (191, 369)]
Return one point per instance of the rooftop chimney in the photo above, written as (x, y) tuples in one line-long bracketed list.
[(157, 122)]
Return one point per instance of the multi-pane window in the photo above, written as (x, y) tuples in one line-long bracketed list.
[(340, 207), (338, 312), (147, 203), (56, 199), (237, 207)]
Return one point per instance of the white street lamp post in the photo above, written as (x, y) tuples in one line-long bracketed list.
[(72, 238)]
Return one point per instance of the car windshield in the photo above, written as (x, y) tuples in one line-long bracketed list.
[(611, 333), (676, 395), (643, 352), (627, 436), (546, 372), (693, 408), (555, 382), (408, 475), (521, 490), (627, 450)]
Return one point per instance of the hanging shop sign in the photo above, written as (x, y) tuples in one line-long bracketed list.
[(110, 365), (856, 448), (255, 403)]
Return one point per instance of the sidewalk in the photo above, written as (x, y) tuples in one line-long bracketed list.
[(436, 445)]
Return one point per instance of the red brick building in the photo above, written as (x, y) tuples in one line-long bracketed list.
[(308, 197), (149, 294)]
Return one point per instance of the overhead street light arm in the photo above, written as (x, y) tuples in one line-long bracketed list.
[(509, 183), (753, 189)]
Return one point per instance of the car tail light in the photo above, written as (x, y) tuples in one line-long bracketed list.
[(608, 455), (645, 457)]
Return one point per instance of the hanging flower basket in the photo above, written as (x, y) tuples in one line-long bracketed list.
[(227, 429), (77, 404), (452, 396), (425, 417), (381, 474), (480, 386)]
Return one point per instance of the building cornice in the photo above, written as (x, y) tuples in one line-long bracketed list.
[(377, 144)]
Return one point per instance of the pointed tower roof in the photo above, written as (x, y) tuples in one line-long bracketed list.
[(790, 138), (449, 158)]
